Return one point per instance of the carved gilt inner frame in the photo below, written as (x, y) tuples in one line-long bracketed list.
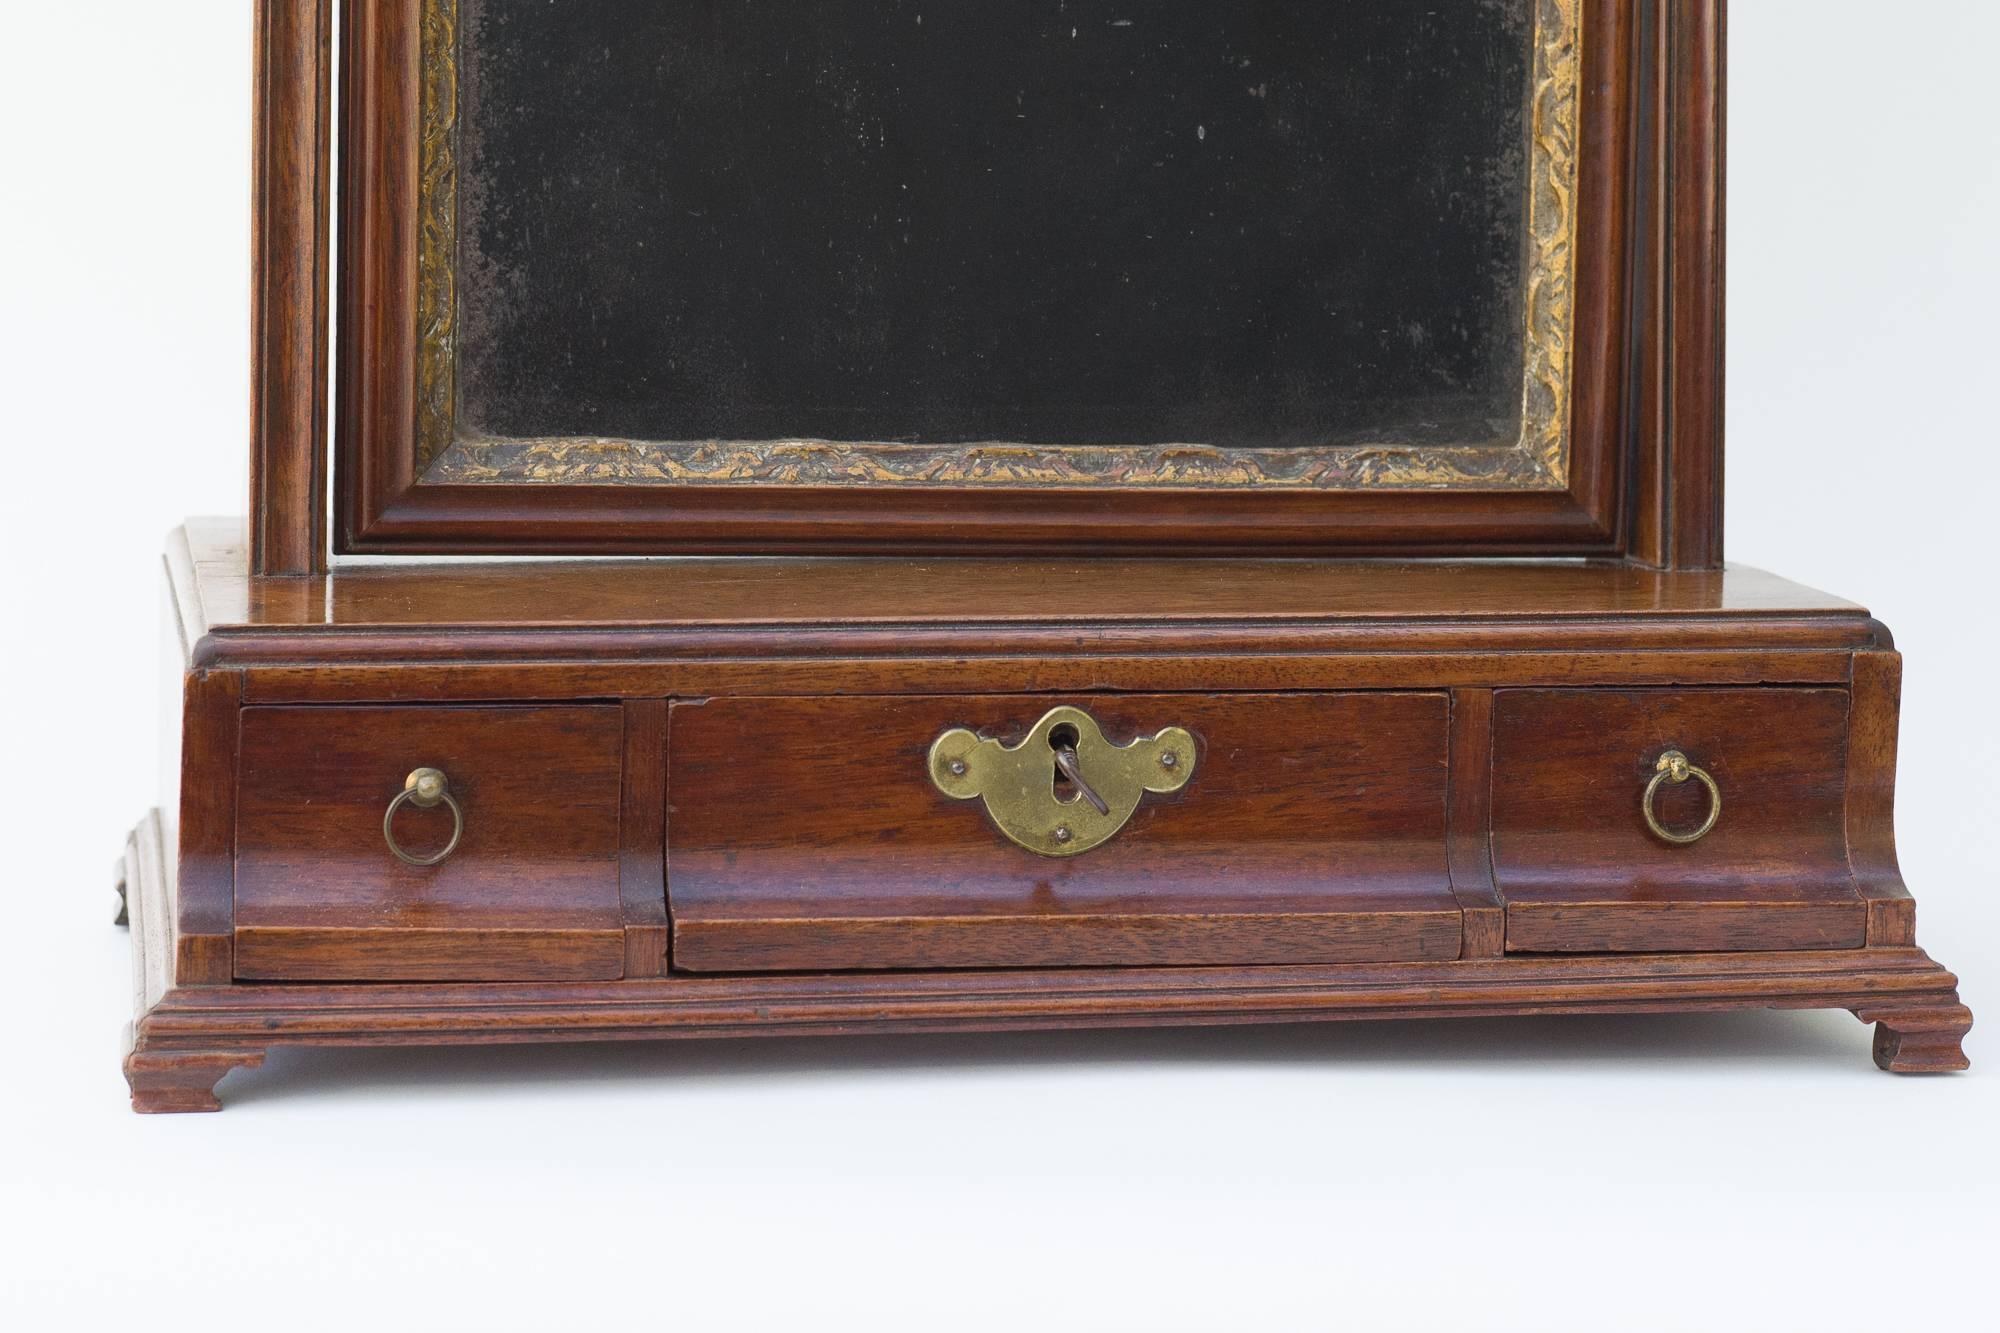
[(1539, 459)]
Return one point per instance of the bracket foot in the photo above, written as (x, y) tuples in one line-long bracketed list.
[(1920, 1041), (172, 1081)]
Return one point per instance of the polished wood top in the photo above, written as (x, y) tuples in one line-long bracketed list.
[(859, 593)]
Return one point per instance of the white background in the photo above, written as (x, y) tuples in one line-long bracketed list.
[(1750, 1171)]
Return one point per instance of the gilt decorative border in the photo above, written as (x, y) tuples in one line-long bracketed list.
[(1537, 460), (437, 234)]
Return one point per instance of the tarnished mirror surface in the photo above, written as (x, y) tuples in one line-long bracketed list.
[(1162, 243)]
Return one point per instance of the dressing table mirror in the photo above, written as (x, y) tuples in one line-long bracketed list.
[(925, 516)]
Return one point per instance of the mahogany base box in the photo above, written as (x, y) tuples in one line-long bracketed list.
[(569, 801)]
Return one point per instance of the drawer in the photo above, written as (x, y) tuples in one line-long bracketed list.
[(810, 834), (530, 892), (1580, 868)]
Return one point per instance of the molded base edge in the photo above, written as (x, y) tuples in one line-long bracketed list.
[(194, 1035)]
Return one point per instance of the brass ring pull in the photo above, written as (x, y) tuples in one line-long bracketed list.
[(1674, 767), (425, 789)]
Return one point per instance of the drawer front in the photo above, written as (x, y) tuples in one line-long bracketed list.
[(1581, 869), (530, 892), (810, 834)]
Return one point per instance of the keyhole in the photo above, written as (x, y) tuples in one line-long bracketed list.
[(1063, 737)]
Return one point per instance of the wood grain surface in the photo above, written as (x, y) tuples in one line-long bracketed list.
[(806, 834), (291, 254), (533, 890), (1579, 868)]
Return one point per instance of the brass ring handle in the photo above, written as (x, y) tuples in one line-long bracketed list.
[(425, 789), (1673, 766)]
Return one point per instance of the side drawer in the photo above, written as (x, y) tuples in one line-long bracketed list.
[(809, 833), (1581, 869), (530, 892)]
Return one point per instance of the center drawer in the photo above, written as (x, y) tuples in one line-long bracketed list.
[(817, 833)]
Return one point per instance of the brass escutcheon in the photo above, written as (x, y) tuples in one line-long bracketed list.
[(1065, 789), (1673, 766)]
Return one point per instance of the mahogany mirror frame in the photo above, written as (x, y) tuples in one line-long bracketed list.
[(1643, 483)]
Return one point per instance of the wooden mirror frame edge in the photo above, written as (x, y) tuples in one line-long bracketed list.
[(1667, 512)]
